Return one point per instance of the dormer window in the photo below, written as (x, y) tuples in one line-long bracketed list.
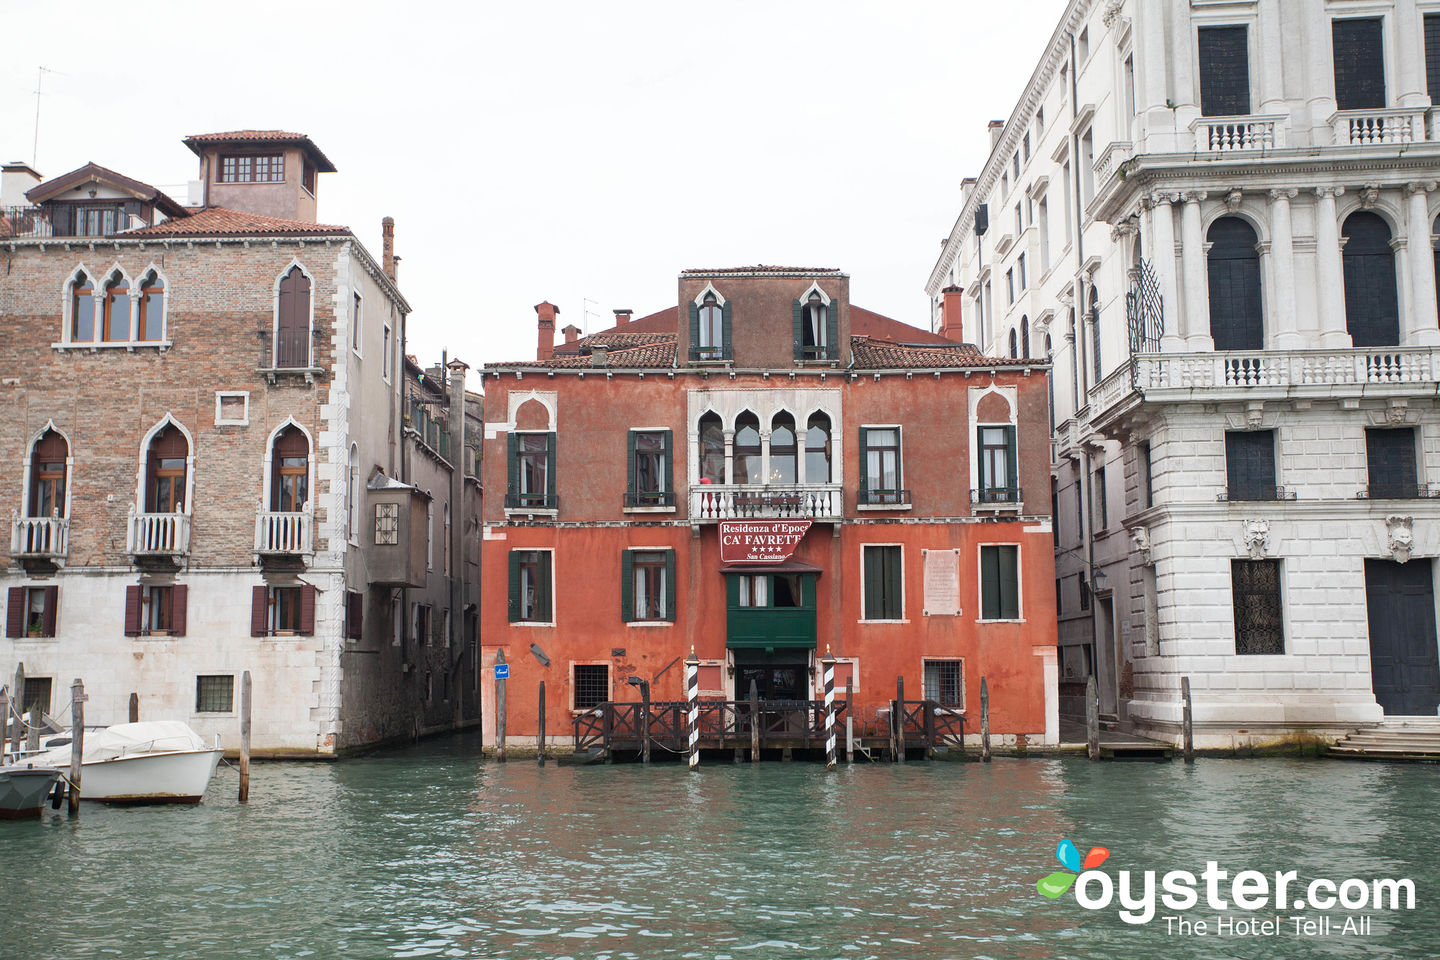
[(266, 169), (711, 330), (98, 221), (816, 330), (812, 331)]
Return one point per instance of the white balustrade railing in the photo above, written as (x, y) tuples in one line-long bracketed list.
[(1246, 370), (40, 536), (166, 533), (1227, 134), (277, 532), (1370, 127), (816, 501), (1110, 158)]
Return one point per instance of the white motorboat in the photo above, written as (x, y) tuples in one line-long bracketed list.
[(23, 789), (159, 761)]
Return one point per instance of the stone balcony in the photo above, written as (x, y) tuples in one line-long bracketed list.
[(279, 534), (1380, 127), (158, 534), (39, 538), (713, 502), (1267, 374)]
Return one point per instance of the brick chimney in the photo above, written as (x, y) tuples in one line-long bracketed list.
[(387, 246), (572, 332), (622, 316), (547, 312), (951, 327)]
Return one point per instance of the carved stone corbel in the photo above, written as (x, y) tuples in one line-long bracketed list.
[(1399, 537), (1257, 537), (1140, 539)]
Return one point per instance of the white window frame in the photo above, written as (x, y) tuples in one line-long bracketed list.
[(275, 319), (220, 397), (357, 330)]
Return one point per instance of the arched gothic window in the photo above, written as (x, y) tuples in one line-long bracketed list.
[(292, 326), (290, 471), (47, 475), (117, 309), (82, 308), (1024, 336), (1372, 308), (165, 470), (1236, 307), (1095, 332), (1014, 344), (748, 467), (712, 449), (784, 452), (817, 449), (151, 324)]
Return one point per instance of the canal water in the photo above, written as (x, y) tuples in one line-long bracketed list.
[(433, 852)]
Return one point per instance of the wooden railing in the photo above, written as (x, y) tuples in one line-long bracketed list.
[(158, 533), (723, 723), (40, 536), (734, 501), (277, 532), (927, 724)]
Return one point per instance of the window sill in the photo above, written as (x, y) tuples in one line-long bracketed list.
[(642, 624), (863, 622), (272, 374), (31, 639), (821, 362), (217, 715), (647, 509), (1002, 620), (1009, 506), (130, 346), (532, 623), (531, 512), (884, 506)]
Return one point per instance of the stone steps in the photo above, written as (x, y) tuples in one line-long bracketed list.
[(1401, 740)]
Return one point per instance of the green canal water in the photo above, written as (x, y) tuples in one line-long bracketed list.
[(432, 852)]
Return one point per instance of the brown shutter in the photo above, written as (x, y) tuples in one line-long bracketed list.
[(259, 607), (132, 611), (307, 610), (178, 604), (15, 612), (52, 605), (354, 614)]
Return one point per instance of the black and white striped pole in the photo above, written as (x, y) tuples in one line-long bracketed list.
[(828, 669), (692, 695)]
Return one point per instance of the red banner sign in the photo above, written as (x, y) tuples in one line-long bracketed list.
[(760, 541)]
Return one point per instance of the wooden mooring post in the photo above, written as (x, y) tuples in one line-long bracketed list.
[(1186, 725), (244, 734), (900, 719), (984, 720), (1092, 719), (540, 751), (827, 666), (17, 727), (692, 711), (500, 710), (849, 721), (134, 708), (4, 719), (77, 743), (32, 731), (754, 723)]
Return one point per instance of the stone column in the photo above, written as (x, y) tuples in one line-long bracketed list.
[(1409, 32), (1319, 75), (1181, 57), (765, 456), (1282, 249), (1272, 79), (1424, 326), (729, 456), (1151, 65), (1404, 295), (1192, 259), (1329, 274), (1163, 244)]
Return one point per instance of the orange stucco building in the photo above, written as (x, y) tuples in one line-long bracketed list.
[(762, 473)]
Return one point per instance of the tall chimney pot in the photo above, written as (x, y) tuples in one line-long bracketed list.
[(387, 246), (622, 316), (547, 312), (572, 332), (951, 327)]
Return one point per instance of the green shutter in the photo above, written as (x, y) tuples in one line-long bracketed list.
[(630, 488), (512, 477), (832, 330), (864, 465), (799, 326), (694, 328), (873, 576), (627, 585), (545, 606), (1008, 560), (550, 470), (989, 583), (514, 586), (725, 326), (1012, 463), (892, 583), (666, 473), (669, 573)]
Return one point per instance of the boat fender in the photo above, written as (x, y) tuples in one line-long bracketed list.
[(57, 793)]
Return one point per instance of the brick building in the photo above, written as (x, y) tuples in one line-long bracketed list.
[(204, 419), (892, 482)]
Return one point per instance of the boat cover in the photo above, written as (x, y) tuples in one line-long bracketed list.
[(123, 739)]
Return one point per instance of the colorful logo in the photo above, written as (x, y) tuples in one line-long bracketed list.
[(1058, 882)]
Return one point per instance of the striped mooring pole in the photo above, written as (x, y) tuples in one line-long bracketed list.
[(828, 666), (692, 696)]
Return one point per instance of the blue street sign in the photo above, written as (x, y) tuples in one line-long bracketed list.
[(502, 671)]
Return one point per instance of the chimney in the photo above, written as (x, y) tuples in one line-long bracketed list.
[(598, 355), (15, 178), (387, 247), (950, 325), (572, 332), (997, 127), (622, 316), (547, 312)]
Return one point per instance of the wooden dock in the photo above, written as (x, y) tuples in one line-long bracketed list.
[(1115, 745)]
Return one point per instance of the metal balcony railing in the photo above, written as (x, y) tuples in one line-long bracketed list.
[(531, 501), (25, 222), (882, 498), (1254, 492), (1399, 491), (996, 496), (649, 498), (40, 537)]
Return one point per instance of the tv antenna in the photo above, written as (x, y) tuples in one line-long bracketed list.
[(587, 301), (39, 82)]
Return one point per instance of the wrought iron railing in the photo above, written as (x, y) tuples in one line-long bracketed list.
[(532, 501), (1144, 310), (1399, 491), (876, 498), (996, 496), (649, 498), (1254, 492), (25, 222)]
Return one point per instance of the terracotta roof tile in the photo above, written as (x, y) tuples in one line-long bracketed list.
[(222, 222), (647, 357), (613, 341), (879, 355), (757, 268)]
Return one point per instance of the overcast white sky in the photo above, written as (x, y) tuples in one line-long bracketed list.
[(560, 150)]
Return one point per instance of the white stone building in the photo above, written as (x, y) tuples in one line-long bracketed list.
[(1218, 218)]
